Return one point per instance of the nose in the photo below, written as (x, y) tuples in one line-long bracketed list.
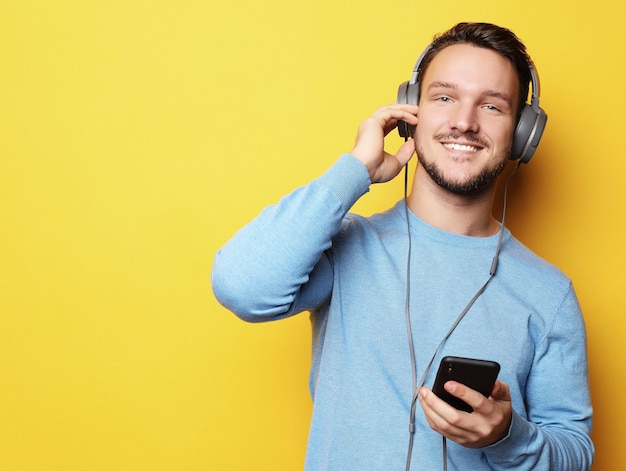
[(464, 118)]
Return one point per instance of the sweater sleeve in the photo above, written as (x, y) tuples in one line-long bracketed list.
[(557, 432), (275, 266)]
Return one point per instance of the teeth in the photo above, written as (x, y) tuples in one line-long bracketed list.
[(462, 147)]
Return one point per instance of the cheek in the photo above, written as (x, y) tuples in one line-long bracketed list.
[(433, 121), (507, 139), (425, 128), (423, 140), (501, 134)]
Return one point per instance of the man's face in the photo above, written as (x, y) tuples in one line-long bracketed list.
[(467, 113)]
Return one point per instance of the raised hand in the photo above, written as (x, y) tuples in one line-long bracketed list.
[(369, 146)]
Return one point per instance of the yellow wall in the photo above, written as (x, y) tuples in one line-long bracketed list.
[(137, 135)]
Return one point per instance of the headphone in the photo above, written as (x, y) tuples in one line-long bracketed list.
[(530, 126)]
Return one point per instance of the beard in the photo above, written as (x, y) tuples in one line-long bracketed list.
[(472, 185)]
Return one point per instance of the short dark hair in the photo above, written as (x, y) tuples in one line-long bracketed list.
[(488, 36)]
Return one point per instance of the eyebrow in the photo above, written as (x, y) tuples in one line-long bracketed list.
[(490, 93), (502, 96), (439, 84)]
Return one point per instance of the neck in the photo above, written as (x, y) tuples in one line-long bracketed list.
[(460, 214)]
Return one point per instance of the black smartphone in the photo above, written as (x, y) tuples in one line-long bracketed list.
[(479, 375)]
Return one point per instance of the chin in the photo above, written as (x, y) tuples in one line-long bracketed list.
[(469, 185)]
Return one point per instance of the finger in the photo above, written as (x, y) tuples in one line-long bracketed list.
[(438, 409), (388, 116), (501, 391), (475, 399), (412, 109), (390, 125), (406, 152), (442, 417)]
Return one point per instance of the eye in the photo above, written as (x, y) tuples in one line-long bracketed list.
[(491, 107), (444, 99)]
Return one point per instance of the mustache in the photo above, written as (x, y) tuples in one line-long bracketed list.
[(468, 136)]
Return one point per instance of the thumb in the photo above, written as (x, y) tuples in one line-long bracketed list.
[(501, 392), (406, 151)]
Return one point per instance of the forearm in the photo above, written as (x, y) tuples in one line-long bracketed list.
[(529, 446), (259, 273)]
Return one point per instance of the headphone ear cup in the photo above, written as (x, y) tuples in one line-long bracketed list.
[(530, 127), (407, 95)]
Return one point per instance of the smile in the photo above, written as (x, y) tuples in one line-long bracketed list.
[(460, 147)]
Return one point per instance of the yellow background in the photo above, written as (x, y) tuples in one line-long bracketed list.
[(137, 135)]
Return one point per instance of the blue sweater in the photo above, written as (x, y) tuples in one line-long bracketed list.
[(308, 254)]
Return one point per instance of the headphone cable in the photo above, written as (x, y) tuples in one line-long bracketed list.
[(492, 272)]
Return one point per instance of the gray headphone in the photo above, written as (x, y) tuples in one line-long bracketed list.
[(530, 126)]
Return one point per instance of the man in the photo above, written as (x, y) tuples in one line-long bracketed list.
[(384, 292)]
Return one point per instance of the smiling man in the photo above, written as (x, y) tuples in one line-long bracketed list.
[(470, 112), (435, 275)]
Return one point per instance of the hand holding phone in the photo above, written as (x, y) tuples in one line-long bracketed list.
[(479, 375)]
